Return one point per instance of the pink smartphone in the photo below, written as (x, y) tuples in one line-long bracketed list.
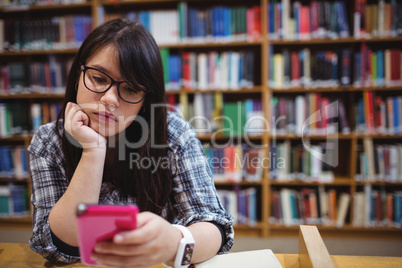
[(97, 223)]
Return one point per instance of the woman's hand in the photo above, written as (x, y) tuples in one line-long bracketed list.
[(154, 241), (77, 125)]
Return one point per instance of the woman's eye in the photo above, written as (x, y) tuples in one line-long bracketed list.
[(98, 79), (130, 90)]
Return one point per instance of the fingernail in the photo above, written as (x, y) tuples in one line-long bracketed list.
[(118, 238)]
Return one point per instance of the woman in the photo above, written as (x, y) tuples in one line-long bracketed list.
[(112, 119)]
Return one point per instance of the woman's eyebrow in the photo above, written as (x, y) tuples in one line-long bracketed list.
[(99, 67)]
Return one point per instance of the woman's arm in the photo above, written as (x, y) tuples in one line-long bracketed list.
[(156, 241), (86, 182), (84, 188), (208, 241)]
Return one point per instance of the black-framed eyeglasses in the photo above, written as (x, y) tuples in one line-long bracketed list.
[(99, 82)]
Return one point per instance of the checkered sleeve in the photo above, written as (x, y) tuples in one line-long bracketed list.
[(48, 185), (194, 194)]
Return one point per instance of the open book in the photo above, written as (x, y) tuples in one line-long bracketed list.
[(254, 258)]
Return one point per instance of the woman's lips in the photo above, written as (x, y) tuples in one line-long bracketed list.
[(106, 117)]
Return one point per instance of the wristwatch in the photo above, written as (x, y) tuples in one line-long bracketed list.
[(185, 249)]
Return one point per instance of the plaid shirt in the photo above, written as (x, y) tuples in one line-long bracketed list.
[(194, 197)]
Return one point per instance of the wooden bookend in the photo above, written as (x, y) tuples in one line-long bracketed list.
[(312, 250)]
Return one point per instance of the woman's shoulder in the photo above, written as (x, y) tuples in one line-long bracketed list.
[(180, 130), (46, 138)]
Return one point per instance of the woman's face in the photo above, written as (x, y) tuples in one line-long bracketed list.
[(108, 113)]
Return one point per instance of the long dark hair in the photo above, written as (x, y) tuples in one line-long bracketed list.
[(139, 62)]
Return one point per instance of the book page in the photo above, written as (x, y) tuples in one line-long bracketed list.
[(255, 258)]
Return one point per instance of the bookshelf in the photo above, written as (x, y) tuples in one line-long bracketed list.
[(270, 36)]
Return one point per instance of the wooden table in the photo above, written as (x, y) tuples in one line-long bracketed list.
[(20, 256)]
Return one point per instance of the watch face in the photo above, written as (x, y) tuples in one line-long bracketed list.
[(188, 253)]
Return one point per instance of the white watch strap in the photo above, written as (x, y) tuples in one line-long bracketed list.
[(185, 249)]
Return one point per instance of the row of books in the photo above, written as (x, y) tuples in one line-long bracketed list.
[(189, 24), (208, 113), (377, 68), (303, 68), (319, 19), (13, 162), (311, 113), (378, 162), (292, 69), (303, 162), (20, 4), (21, 119), (378, 115), (44, 34), (381, 19), (212, 70), (34, 77), (241, 204), (374, 207), (13, 200), (309, 206), (235, 163)]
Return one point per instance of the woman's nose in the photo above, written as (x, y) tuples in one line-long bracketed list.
[(111, 97)]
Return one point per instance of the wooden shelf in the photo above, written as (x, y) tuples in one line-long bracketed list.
[(25, 8), (348, 228), (32, 96), (39, 52), (16, 219), (131, 2), (311, 137), (211, 44), (333, 89), (219, 136), (243, 182), (377, 183), (313, 41), (339, 181), (334, 41), (377, 136), (23, 180), (255, 89), (17, 138)]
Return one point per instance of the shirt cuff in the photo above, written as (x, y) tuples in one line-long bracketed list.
[(220, 228), (64, 247)]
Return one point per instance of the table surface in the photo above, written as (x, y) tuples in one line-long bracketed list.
[(20, 255)]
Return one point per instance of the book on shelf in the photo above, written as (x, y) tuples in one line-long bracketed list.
[(311, 114), (13, 201), (13, 162), (241, 204), (14, 119), (43, 34), (378, 162), (21, 119), (235, 163), (303, 68), (292, 20), (375, 67), (375, 207), (295, 163), (211, 70), (378, 115), (309, 206), (381, 19), (35, 77), (188, 24), (209, 114)]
